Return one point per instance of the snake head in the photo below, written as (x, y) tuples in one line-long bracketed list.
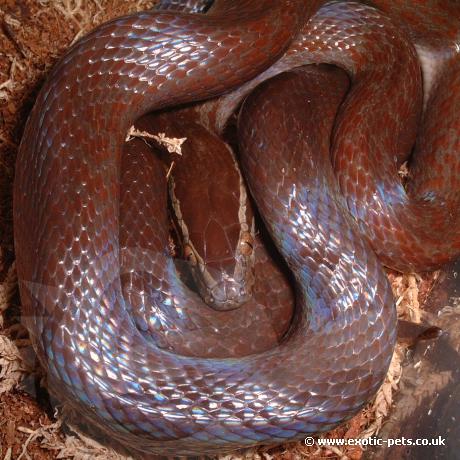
[(213, 219), (224, 283)]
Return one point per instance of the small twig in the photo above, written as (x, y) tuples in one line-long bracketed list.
[(169, 170), (172, 144), (7, 26)]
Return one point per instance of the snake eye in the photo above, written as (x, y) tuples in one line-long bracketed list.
[(246, 244), (189, 254)]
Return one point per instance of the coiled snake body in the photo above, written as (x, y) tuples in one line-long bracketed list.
[(66, 210)]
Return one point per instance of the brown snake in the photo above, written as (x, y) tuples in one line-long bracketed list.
[(98, 342)]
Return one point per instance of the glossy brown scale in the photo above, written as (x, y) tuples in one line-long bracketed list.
[(399, 223), (105, 337)]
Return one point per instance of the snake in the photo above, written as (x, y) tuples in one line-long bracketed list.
[(320, 150)]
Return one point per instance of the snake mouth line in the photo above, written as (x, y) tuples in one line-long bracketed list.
[(228, 284)]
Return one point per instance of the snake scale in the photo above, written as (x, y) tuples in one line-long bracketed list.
[(99, 356)]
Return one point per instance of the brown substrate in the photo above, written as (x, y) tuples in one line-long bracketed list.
[(33, 34)]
